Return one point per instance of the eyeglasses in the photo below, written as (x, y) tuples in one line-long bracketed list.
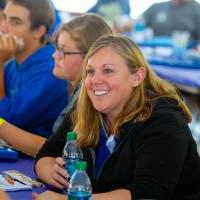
[(63, 53)]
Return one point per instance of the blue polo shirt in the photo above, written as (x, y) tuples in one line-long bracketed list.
[(105, 148), (34, 96)]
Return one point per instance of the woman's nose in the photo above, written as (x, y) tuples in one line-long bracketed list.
[(97, 77)]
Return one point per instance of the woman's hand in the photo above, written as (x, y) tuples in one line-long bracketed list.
[(58, 175)]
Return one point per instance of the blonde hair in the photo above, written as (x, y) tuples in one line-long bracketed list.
[(87, 120)]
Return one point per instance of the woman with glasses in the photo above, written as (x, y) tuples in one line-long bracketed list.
[(133, 129), (72, 42)]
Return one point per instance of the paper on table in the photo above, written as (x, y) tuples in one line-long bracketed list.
[(9, 184), (19, 176)]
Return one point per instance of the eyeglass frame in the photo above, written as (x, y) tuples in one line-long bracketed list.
[(63, 53)]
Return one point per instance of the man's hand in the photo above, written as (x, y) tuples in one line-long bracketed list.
[(8, 47)]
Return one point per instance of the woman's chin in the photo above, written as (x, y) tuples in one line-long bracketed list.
[(57, 73), (100, 109)]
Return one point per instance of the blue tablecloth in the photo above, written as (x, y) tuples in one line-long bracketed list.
[(162, 42), (184, 73), (184, 62), (186, 79), (25, 165)]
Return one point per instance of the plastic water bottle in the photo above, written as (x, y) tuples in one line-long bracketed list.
[(80, 186), (71, 153)]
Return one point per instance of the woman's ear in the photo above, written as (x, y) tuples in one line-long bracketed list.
[(138, 76)]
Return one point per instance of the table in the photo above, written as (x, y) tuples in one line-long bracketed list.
[(25, 165), (182, 72), (185, 74), (162, 42), (187, 80)]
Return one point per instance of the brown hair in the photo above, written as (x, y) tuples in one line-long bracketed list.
[(84, 30), (41, 13)]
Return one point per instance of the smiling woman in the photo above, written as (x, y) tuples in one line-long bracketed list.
[(72, 42), (106, 71), (126, 119)]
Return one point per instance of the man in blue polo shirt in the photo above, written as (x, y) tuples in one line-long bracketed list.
[(32, 97)]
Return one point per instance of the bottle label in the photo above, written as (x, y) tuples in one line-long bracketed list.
[(79, 196)]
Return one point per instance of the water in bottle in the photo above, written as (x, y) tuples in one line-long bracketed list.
[(80, 186), (71, 153)]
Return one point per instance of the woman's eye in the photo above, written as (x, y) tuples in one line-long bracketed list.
[(108, 71), (90, 71)]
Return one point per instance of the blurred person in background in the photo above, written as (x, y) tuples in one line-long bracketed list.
[(174, 15), (182, 17), (111, 7), (57, 21), (116, 12), (32, 97)]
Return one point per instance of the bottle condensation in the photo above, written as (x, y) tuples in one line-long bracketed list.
[(71, 153), (80, 186)]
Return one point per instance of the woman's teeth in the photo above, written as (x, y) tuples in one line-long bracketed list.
[(101, 92)]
